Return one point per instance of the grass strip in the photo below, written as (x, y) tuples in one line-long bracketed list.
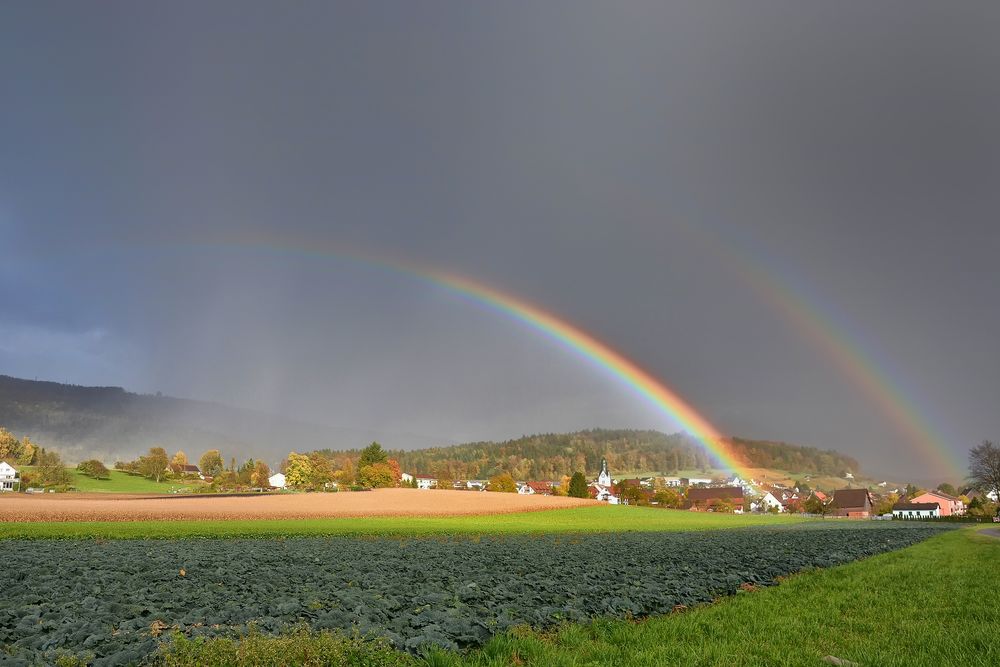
[(596, 519)]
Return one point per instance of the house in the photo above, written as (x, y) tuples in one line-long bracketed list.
[(602, 493), (405, 477), (708, 498), (913, 510), (852, 503), (697, 481), (9, 479), (188, 469), (426, 482), (819, 495), (541, 488), (476, 484), (524, 490), (277, 480), (672, 481), (950, 505), (766, 502)]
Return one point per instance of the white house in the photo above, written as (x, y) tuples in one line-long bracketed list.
[(426, 482), (695, 481), (524, 489), (766, 502), (9, 479), (671, 481), (916, 510), (405, 478), (277, 480), (604, 494)]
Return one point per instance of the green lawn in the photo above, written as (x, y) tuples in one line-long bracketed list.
[(597, 518), (121, 482), (935, 603)]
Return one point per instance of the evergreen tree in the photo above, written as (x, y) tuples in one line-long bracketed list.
[(578, 486)]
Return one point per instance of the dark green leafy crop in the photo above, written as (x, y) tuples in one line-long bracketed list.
[(117, 600)]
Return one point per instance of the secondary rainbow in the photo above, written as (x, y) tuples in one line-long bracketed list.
[(640, 381)]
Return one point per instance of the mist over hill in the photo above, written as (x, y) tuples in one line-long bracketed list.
[(110, 423)]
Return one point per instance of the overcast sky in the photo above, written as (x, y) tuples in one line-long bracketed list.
[(624, 165)]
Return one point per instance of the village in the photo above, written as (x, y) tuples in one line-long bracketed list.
[(708, 494)]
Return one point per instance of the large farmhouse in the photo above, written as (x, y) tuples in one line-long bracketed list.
[(853, 503), (9, 479)]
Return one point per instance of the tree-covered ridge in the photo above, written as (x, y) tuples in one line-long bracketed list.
[(552, 455)]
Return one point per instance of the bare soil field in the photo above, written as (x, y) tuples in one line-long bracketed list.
[(381, 502)]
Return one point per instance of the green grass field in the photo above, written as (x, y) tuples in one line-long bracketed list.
[(121, 482), (598, 518), (935, 603)]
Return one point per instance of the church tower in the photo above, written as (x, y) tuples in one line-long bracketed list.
[(604, 479)]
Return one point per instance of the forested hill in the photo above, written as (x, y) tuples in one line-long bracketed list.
[(112, 424), (551, 455)]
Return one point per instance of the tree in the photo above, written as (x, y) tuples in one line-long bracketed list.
[(562, 489), (322, 470), (984, 468), (578, 486), (10, 447), (668, 498), (211, 463), (298, 471), (445, 478), (261, 475), (816, 506), (502, 483), (94, 468), (51, 471), (347, 474), (885, 504), (154, 464), (377, 476), (373, 453), (180, 459), (945, 487), (28, 452)]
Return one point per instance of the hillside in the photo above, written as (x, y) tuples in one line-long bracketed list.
[(551, 455), (110, 423)]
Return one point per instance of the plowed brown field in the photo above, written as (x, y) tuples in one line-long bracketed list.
[(381, 502)]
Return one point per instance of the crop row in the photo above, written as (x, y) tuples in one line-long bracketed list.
[(116, 600)]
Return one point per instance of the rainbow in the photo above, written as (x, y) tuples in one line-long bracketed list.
[(600, 354), (842, 349)]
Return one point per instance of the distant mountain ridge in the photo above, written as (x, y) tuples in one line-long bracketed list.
[(111, 423)]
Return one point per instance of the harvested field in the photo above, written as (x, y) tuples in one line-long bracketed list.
[(381, 502)]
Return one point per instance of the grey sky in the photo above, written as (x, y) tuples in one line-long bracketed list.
[(604, 160)]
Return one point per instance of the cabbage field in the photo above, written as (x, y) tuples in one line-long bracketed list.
[(114, 601)]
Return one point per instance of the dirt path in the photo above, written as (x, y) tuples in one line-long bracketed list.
[(381, 502), (992, 532)]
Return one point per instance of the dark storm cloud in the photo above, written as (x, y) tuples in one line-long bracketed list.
[(600, 159)]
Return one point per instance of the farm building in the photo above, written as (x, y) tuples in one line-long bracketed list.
[(9, 479), (708, 498), (949, 504), (853, 503), (914, 510), (277, 480), (187, 469)]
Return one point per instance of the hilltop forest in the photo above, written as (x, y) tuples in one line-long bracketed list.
[(552, 455)]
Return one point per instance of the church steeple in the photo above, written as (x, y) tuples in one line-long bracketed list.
[(604, 479)]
